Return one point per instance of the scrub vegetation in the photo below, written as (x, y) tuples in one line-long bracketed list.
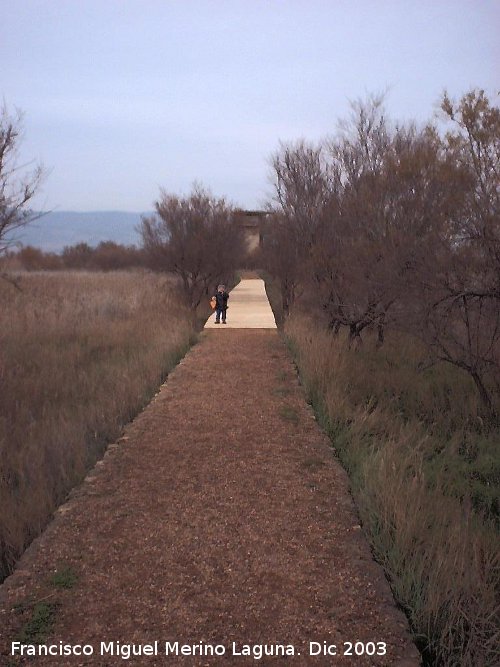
[(40, 623), (425, 473), (80, 354), (382, 262)]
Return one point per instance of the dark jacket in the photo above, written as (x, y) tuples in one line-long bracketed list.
[(221, 300)]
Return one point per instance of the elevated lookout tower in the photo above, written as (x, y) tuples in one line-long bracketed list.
[(251, 223)]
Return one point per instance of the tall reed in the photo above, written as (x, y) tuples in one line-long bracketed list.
[(80, 354), (425, 471)]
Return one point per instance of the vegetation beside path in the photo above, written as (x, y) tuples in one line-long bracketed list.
[(425, 474), (80, 355)]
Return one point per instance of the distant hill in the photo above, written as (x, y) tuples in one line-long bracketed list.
[(55, 230)]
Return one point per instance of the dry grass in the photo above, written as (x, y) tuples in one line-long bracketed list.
[(80, 355), (425, 473)]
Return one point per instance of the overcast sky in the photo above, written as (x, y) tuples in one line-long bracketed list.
[(124, 96)]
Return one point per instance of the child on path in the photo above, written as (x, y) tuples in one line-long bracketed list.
[(221, 298)]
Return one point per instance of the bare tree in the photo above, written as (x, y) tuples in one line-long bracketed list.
[(18, 184), (302, 196), (328, 198), (462, 306), (301, 188), (351, 264), (475, 143), (398, 226), (397, 192), (194, 237), (281, 253)]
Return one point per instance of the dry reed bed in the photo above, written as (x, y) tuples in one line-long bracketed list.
[(424, 470), (80, 355)]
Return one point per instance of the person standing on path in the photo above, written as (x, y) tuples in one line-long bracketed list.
[(221, 298)]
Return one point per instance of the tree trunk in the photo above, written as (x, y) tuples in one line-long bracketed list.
[(284, 302), (334, 325), (381, 330), (483, 393), (287, 296), (354, 336)]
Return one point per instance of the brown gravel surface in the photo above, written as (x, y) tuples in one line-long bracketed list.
[(221, 516)]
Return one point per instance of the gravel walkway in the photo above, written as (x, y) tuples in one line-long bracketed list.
[(221, 516)]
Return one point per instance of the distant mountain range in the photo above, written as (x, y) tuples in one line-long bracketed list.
[(57, 229)]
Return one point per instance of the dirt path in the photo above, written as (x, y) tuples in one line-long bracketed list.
[(221, 517)]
